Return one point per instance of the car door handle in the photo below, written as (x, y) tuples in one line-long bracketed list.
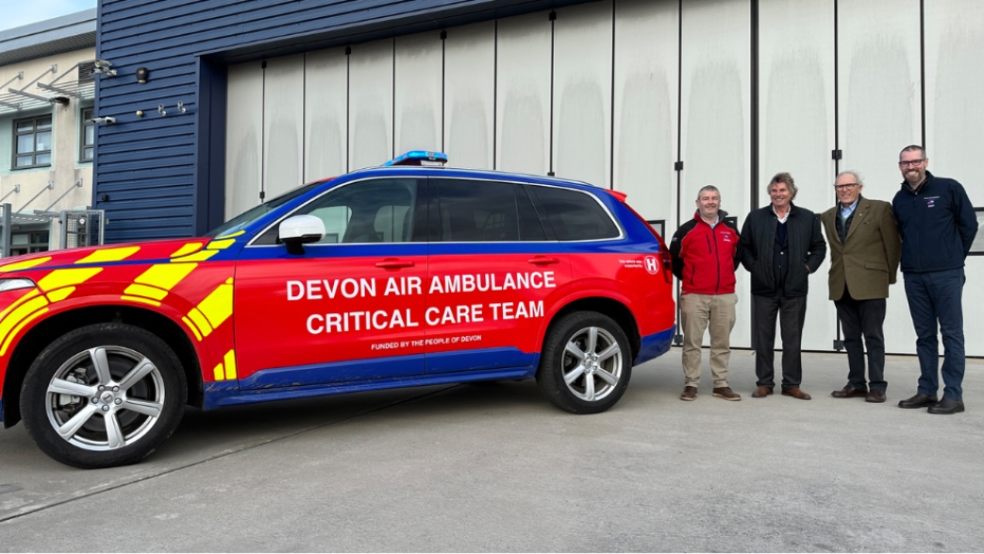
[(543, 260), (394, 263)]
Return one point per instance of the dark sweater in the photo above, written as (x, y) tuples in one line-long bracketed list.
[(805, 251)]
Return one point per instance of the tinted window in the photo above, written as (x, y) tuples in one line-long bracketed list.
[(482, 211), (374, 211), (572, 215)]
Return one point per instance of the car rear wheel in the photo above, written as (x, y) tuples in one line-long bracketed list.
[(586, 363), (103, 395)]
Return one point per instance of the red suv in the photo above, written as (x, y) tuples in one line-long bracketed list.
[(386, 277)]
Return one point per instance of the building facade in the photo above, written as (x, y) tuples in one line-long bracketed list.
[(218, 104), (47, 140)]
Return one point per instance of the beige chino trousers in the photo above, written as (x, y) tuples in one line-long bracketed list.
[(699, 313)]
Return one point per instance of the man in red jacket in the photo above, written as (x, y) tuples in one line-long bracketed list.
[(705, 257)]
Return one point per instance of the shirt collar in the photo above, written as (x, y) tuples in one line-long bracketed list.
[(782, 219), (845, 212)]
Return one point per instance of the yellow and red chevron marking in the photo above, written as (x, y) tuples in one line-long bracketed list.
[(211, 312), (226, 369), (26, 264), (193, 252), (53, 287), (153, 285), (109, 255)]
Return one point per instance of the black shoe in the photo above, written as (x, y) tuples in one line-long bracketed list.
[(947, 406), (920, 400)]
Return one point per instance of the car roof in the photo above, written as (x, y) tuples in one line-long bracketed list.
[(462, 173)]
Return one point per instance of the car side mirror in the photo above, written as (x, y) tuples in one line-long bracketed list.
[(300, 229)]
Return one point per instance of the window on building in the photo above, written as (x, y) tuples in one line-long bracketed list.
[(28, 242), (87, 142), (32, 138)]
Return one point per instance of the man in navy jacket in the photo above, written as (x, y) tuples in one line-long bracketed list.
[(937, 224)]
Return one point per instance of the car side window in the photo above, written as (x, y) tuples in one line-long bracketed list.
[(572, 214), (464, 210), (372, 211)]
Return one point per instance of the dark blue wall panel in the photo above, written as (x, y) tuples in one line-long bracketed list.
[(161, 176)]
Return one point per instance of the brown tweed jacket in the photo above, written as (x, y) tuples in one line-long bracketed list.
[(868, 260)]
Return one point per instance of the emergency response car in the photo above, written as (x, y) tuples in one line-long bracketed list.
[(396, 276)]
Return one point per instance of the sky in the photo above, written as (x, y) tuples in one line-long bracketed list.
[(14, 13)]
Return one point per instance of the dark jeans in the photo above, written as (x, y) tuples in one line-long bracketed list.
[(935, 297), (863, 317), (792, 314)]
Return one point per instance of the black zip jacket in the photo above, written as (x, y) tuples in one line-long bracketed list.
[(937, 224), (806, 250)]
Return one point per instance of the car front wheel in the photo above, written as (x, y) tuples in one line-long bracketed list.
[(586, 363), (103, 395)]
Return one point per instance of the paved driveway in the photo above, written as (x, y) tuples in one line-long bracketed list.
[(478, 468)]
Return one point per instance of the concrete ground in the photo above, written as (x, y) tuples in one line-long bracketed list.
[(496, 468)]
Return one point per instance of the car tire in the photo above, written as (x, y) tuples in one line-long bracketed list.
[(586, 363), (103, 395)]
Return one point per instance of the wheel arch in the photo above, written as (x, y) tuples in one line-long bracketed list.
[(607, 306), (39, 336)]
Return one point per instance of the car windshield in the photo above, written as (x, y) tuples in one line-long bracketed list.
[(243, 220)]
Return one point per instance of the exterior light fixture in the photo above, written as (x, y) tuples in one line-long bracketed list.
[(143, 75)]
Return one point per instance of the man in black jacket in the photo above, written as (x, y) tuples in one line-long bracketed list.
[(781, 245), (938, 224)]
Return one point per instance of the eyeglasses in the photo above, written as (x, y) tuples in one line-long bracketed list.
[(911, 163), (846, 186)]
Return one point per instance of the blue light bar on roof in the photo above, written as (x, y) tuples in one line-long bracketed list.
[(419, 157)]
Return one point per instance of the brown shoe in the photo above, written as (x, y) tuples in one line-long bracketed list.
[(761, 392), (726, 393), (689, 393), (876, 396), (796, 392), (849, 392)]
